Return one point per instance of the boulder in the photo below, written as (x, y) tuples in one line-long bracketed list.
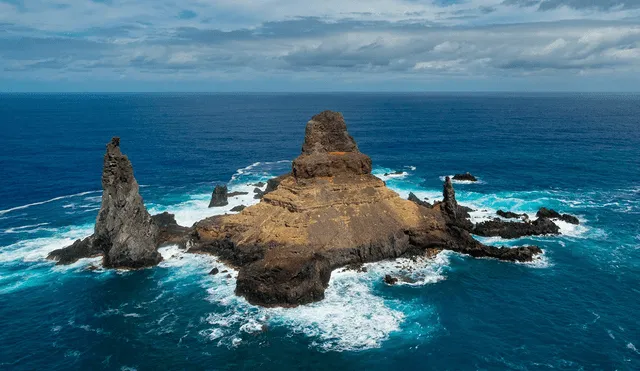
[(219, 196), (239, 208), (466, 177), (389, 280), (552, 214)]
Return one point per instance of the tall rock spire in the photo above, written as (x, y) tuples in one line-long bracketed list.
[(124, 229), (125, 234), (449, 199)]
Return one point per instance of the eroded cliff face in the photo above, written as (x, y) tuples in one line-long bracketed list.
[(328, 213)]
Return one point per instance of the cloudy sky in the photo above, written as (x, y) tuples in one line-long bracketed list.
[(320, 45)]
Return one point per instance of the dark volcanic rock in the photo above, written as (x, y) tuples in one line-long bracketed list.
[(389, 280), (259, 184), (124, 233), (461, 241), (238, 208), (552, 214), (80, 249), (497, 227), (124, 229), (329, 150), (455, 213), (170, 231), (214, 271), (548, 213), (306, 280), (465, 176), (414, 198), (219, 196), (511, 215), (273, 183), (397, 172), (257, 193), (570, 219)]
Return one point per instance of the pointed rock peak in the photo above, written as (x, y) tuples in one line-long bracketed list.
[(124, 229), (449, 199), (327, 132), (125, 234), (113, 147), (329, 150)]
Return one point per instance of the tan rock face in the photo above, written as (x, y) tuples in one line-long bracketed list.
[(328, 213), (329, 150)]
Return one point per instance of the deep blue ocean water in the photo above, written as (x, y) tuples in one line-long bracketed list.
[(575, 309)]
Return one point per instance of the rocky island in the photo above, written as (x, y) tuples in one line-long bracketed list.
[(328, 212)]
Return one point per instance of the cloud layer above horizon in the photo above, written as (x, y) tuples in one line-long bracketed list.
[(319, 45)]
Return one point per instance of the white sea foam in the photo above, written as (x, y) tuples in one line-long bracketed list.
[(351, 317), (2, 212), (30, 229), (38, 248)]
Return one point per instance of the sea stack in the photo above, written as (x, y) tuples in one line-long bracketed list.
[(328, 213), (125, 233), (219, 197)]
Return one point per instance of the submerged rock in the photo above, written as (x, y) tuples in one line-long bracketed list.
[(397, 172), (466, 176), (219, 196), (389, 280), (125, 234), (330, 212), (552, 214), (511, 215)]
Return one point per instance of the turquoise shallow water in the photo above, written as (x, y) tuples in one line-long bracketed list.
[(573, 309)]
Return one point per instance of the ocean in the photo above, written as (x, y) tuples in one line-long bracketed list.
[(575, 308)]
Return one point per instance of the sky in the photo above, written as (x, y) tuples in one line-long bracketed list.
[(319, 45)]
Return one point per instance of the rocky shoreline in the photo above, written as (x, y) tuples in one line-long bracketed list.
[(328, 212)]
